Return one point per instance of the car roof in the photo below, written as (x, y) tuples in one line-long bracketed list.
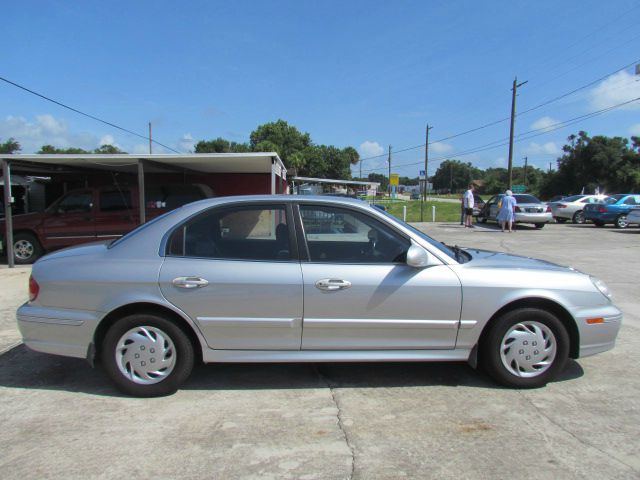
[(284, 198)]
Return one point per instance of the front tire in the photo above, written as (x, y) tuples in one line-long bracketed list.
[(147, 355), (525, 348)]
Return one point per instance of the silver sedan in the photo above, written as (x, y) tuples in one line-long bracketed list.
[(306, 279), (529, 209)]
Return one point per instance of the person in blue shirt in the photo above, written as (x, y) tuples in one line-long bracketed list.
[(507, 209)]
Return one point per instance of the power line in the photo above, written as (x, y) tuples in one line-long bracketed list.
[(522, 136), (86, 114)]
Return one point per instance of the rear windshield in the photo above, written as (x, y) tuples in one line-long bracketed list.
[(573, 198), (526, 199)]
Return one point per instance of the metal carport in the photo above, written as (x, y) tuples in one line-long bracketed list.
[(255, 163)]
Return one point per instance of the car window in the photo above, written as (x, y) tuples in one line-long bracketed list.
[(630, 201), (574, 198), (338, 235), (115, 200), (240, 233), (526, 199), (78, 202)]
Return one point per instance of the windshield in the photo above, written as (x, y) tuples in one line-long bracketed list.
[(440, 246)]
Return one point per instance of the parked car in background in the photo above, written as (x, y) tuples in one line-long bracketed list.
[(556, 198), (613, 209), (415, 196), (478, 204), (633, 217), (90, 214), (329, 280), (571, 208), (529, 209)]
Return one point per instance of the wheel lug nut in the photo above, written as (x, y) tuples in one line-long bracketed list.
[(152, 360), (521, 352), (137, 355), (152, 350), (143, 363), (141, 347)]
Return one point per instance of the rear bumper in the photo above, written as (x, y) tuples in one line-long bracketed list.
[(524, 217), (57, 331)]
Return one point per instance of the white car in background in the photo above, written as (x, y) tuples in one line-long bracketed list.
[(571, 208)]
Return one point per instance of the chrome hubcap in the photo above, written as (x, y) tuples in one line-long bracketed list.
[(145, 355), (23, 249), (622, 221), (579, 217), (528, 349)]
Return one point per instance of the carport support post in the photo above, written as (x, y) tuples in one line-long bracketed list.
[(141, 196), (273, 175), (8, 221)]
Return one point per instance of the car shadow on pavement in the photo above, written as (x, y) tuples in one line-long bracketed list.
[(25, 369)]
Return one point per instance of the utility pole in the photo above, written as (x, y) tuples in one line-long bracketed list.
[(150, 138), (549, 167), (389, 171), (525, 171), (423, 197), (516, 85), (360, 162)]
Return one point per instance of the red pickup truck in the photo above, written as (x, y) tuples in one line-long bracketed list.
[(91, 214)]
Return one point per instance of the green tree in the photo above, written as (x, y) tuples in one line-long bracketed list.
[(454, 175), (49, 149), (286, 139), (221, 145), (108, 150), (381, 179), (10, 146)]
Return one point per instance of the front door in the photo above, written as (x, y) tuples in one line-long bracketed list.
[(360, 294), (234, 272), (70, 221)]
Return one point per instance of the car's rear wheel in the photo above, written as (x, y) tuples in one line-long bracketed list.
[(147, 355), (26, 248), (621, 221), (578, 217), (525, 348), (539, 225)]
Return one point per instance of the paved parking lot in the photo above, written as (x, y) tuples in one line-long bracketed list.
[(61, 419)]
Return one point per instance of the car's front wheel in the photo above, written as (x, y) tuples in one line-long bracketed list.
[(525, 348), (147, 355), (621, 221)]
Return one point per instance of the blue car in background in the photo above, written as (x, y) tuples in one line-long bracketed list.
[(613, 209)]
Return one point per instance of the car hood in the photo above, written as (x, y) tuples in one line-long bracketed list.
[(85, 249), (24, 218), (489, 259)]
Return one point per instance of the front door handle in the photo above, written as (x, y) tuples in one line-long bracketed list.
[(332, 284), (190, 282)]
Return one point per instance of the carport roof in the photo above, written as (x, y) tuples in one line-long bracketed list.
[(254, 162)]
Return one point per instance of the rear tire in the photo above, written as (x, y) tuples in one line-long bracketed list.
[(147, 355), (621, 221), (525, 348), (578, 217), (26, 248)]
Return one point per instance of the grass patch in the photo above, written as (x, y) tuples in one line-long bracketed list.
[(445, 212)]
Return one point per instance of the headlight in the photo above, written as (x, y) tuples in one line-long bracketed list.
[(600, 285)]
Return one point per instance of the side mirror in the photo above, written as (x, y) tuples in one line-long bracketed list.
[(417, 257)]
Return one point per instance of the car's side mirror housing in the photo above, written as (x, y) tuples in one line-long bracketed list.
[(418, 257)]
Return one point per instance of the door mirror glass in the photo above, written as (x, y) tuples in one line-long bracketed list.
[(417, 257)]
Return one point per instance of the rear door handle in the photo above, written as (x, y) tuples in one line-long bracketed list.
[(332, 284), (190, 282)]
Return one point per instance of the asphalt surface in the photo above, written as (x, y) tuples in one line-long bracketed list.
[(61, 419)]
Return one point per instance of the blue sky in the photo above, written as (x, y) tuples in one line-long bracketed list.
[(363, 73)]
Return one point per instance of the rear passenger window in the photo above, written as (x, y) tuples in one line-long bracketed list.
[(115, 201), (243, 233)]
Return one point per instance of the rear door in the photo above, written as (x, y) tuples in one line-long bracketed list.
[(359, 293), (234, 270)]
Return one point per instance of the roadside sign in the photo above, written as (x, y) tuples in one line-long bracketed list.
[(423, 174), (395, 179), (518, 188)]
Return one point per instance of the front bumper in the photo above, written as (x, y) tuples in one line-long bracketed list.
[(597, 337), (57, 331)]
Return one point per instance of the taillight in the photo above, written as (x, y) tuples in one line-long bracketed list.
[(518, 209), (561, 206), (34, 289), (602, 210), (549, 208)]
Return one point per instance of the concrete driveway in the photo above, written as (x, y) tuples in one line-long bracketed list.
[(61, 419)]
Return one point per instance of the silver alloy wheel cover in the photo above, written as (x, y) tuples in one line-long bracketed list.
[(145, 355), (579, 217), (528, 349), (621, 221), (23, 249)]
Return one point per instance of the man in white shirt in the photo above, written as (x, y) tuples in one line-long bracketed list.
[(468, 206)]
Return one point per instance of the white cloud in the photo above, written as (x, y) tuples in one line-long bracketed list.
[(544, 123), (500, 162), (549, 149), (370, 149), (635, 129), (186, 143), (107, 140), (140, 148), (618, 88), (440, 147)]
